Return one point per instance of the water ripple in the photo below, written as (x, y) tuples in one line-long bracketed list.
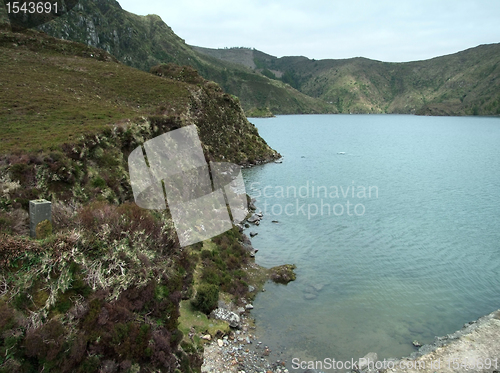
[(423, 258)]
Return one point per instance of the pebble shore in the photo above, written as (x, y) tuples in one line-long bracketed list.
[(240, 352)]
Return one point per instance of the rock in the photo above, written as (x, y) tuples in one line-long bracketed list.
[(318, 287), (240, 310), (370, 357), (275, 222), (260, 215), (245, 240), (225, 315), (283, 274), (248, 340), (240, 227), (249, 306), (253, 234), (222, 304), (416, 343), (254, 218), (278, 161), (257, 222), (220, 342), (207, 337), (251, 206), (247, 225), (251, 288)]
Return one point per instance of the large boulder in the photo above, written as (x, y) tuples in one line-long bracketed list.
[(225, 315), (254, 218)]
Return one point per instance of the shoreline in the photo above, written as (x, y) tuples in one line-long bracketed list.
[(412, 114), (475, 347), (240, 350)]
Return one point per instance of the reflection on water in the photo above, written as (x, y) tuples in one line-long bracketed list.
[(419, 259)]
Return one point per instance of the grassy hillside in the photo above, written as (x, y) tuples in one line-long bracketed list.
[(100, 289), (144, 42), (465, 83), (55, 92)]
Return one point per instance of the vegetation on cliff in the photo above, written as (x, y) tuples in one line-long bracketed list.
[(103, 293), (104, 290)]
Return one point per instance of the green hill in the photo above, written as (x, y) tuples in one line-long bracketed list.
[(464, 83), (146, 41), (56, 92)]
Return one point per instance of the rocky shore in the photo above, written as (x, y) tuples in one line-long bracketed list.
[(240, 352), (474, 348)]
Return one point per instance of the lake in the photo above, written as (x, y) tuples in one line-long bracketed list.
[(393, 222)]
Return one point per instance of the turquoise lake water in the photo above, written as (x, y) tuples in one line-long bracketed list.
[(413, 253)]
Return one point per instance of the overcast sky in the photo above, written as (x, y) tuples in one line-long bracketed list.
[(396, 31)]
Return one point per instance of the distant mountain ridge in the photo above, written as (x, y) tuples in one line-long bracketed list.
[(464, 83), (145, 41)]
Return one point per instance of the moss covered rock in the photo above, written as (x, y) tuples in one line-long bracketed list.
[(283, 274), (43, 229)]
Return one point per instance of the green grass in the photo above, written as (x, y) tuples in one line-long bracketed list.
[(52, 92), (192, 318)]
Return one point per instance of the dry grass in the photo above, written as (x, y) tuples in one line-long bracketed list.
[(53, 91)]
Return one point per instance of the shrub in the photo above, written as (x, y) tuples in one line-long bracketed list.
[(6, 317), (210, 275), (99, 182), (5, 223), (206, 299), (20, 222), (43, 229), (127, 220), (63, 214)]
